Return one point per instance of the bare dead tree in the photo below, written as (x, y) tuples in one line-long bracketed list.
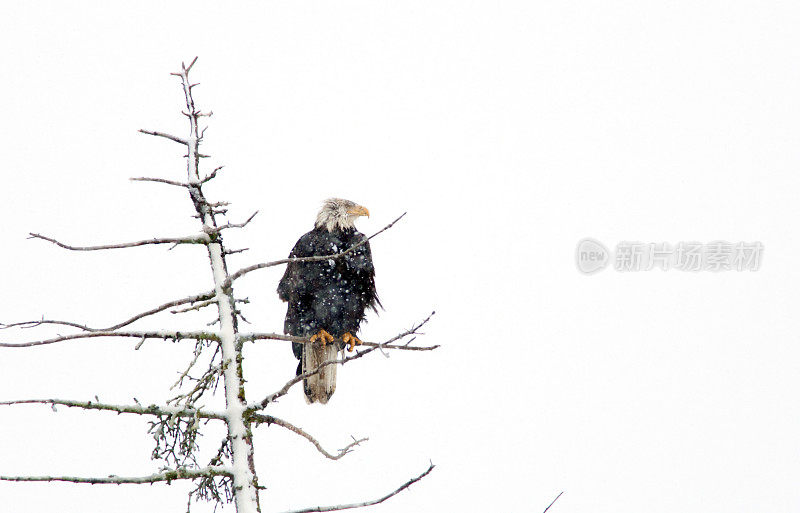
[(229, 476)]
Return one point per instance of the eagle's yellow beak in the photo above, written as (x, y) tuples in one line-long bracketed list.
[(359, 211)]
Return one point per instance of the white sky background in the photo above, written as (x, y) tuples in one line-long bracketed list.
[(508, 131)]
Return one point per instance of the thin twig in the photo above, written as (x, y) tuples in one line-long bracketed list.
[(366, 503), (554, 501), (166, 136), (198, 350), (269, 419), (198, 306), (33, 324), (211, 489), (211, 175), (241, 272), (28, 324), (209, 380), (225, 226)]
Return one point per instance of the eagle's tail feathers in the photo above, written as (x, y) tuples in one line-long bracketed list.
[(320, 386)]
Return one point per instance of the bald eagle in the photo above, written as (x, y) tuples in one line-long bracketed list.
[(327, 299)]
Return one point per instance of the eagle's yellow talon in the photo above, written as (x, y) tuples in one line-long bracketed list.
[(347, 338), (323, 336)]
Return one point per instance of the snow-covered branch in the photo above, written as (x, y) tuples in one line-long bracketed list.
[(143, 335), (138, 409), (414, 330), (158, 180), (251, 337), (241, 272), (200, 238), (353, 505), (269, 419), (170, 475)]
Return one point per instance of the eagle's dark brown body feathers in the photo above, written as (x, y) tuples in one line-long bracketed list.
[(331, 295)]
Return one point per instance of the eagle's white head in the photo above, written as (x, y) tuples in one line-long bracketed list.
[(339, 213)]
